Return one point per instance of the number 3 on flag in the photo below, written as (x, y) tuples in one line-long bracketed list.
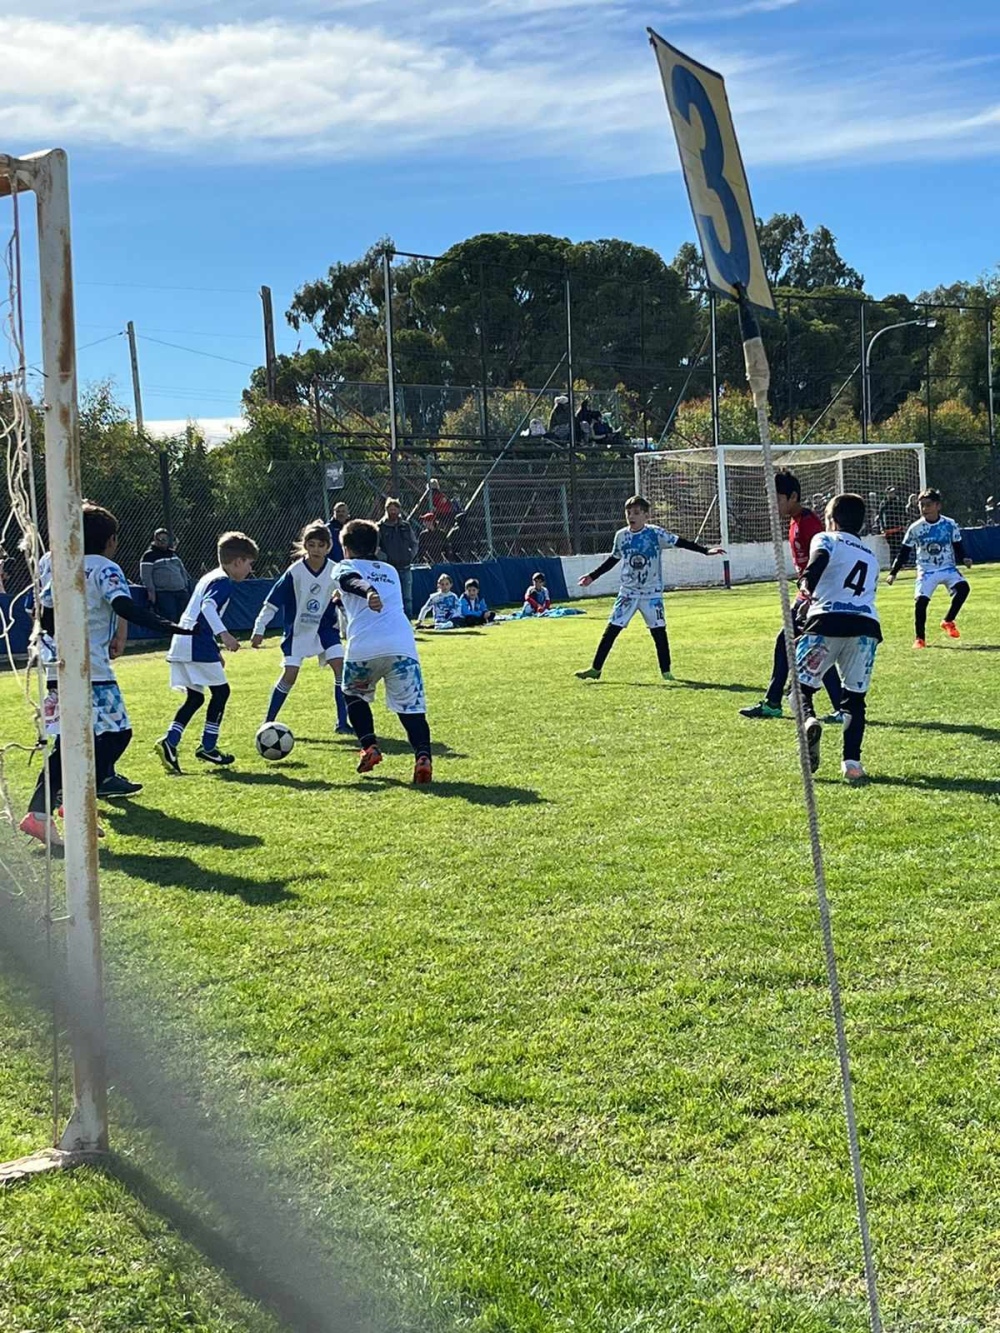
[(714, 174)]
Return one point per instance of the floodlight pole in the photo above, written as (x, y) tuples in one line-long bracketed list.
[(47, 174)]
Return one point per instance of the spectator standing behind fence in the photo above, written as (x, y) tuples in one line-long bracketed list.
[(397, 547), (439, 502), (162, 573), (892, 519), (338, 518), (432, 543)]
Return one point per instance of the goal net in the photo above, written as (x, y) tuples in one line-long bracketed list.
[(716, 496)]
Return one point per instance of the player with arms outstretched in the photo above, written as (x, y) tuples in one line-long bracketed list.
[(937, 542), (638, 545), (304, 596), (380, 646), (803, 525), (841, 626), (196, 665)]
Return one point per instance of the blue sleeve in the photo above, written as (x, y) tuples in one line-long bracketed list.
[(282, 593)]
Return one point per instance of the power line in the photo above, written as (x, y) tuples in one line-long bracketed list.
[(214, 356)]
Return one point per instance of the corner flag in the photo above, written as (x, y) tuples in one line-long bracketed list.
[(714, 174)]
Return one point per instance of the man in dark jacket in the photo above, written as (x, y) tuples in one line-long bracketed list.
[(338, 518), (397, 546), (162, 573)]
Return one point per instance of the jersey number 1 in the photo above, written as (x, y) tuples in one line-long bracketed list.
[(856, 579)]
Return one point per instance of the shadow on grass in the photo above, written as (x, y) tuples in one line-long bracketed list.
[(946, 728), (273, 779), (679, 683), (144, 822), (985, 787), (180, 872), (965, 647), (475, 793), (388, 745)]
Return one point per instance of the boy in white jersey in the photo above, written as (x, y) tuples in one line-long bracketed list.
[(638, 545), (380, 646), (196, 665), (841, 626), (109, 600), (304, 595), (938, 544)]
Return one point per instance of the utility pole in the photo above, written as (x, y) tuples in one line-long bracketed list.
[(136, 390), (269, 359)]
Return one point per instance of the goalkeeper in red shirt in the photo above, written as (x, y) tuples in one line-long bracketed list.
[(803, 526)]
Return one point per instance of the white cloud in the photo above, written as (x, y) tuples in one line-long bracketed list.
[(338, 92), (214, 430)]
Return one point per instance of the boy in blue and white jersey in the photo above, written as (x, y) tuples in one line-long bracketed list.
[(937, 542), (109, 600), (196, 665), (380, 646), (304, 596), (841, 626), (443, 605), (638, 545)]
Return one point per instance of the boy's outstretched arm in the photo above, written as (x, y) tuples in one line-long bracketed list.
[(602, 568)]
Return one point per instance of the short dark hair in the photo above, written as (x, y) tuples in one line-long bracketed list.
[(639, 500), (361, 536), (787, 483), (538, 576), (930, 493), (316, 531), (472, 583), (99, 526), (848, 512), (236, 546)]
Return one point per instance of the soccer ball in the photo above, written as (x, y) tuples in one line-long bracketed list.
[(274, 741)]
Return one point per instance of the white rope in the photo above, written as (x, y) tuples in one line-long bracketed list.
[(759, 377)]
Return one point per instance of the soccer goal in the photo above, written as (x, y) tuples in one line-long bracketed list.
[(43, 178), (716, 496)]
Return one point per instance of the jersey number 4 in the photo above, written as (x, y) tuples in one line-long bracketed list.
[(856, 579)]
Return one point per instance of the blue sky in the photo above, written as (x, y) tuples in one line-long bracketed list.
[(216, 147)]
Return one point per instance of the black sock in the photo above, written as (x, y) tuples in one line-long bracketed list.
[(360, 714), (920, 616), (611, 633), (833, 687), (808, 700), (108, 749), (662, 647), (418, 732), (958, 596), (779, 673), (53, 763), (854, 732)]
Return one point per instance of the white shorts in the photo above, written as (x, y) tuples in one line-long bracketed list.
[(650, 608), (201, 676), (335, 653), (404, 682), (854, 659), (929, 579), (108, 710)]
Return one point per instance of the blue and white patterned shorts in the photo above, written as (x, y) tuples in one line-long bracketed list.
[(854, 659), (404, 682), (107, 704), (650, 608)]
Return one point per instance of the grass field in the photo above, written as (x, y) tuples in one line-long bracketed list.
[(553, 1034)]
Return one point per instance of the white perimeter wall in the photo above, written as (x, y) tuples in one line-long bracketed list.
[(749, 562)]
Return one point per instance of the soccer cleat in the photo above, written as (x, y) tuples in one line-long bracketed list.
[(167, 755), (100, 831), (591, 673), (763, 709), (837, 719), (951, 629), (667, 675), (814, 734), (920, 643), (35, 826), (422, 771), (853, 772), (117, 785), (216, 756), (370, 756)]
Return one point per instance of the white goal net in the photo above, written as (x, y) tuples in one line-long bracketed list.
[(717, 497)]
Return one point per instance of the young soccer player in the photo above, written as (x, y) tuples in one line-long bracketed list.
[(380, 646), (937, 541), (196, 664), (108, 601), (803, 525), (638, 546), (304, 594), (472, 608), (537, 596), (443, 605), (841, 626)]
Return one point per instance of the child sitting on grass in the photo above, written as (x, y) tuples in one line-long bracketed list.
[(443, 605), (537, 599), (472, 606)]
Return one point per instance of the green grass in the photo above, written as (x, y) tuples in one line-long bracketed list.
[(553, 1035)]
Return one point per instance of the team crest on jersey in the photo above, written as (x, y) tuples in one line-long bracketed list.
[(314, 588), (312, 604)]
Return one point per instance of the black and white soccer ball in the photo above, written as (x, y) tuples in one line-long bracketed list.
[(274, 741)]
